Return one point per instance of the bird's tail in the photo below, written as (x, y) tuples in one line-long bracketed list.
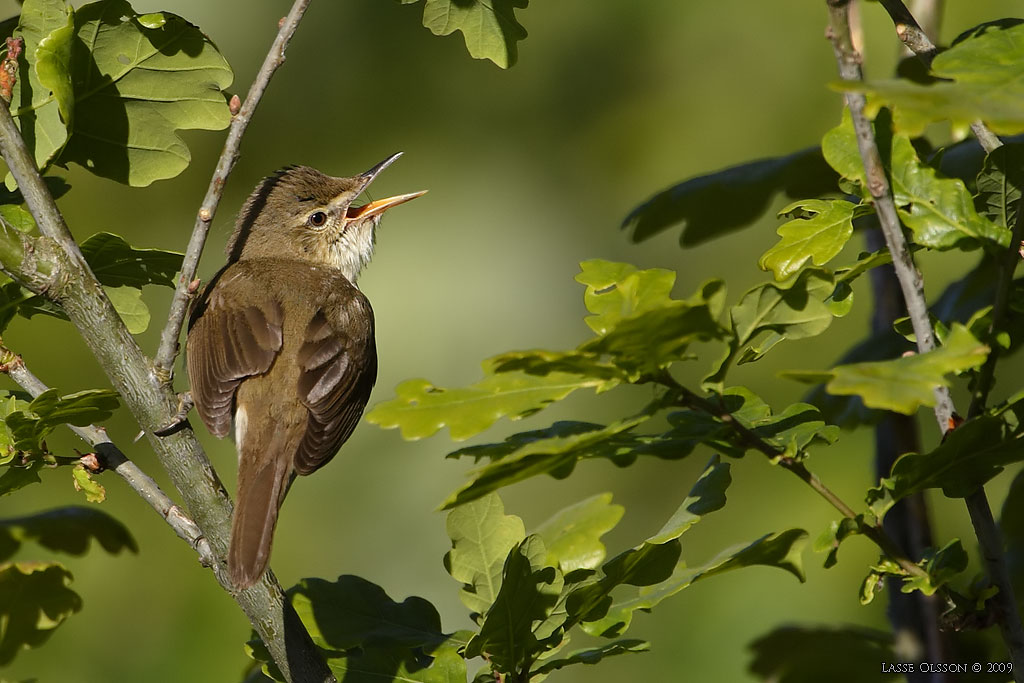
[(263, 480)]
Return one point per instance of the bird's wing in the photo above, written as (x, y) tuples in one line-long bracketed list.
[(338, 366), (227, 344)]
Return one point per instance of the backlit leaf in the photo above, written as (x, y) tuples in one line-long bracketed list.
[(489, 27), (593, 655), (129, 305), (903, 384), (818, 232), (482, 536), (572, 535)]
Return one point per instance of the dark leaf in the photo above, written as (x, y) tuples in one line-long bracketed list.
[(712, 205), (802, 654), (34, 600), (117, 263), (66, 529)]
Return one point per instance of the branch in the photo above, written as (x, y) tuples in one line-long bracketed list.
[(878, 185), (52, 266), (918, 42), (910, 282), (168, 349), (751, 440), (114, 459)]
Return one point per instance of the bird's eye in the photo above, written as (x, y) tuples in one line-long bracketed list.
[(317, 219)]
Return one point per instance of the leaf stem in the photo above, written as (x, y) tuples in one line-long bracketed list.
[(168, 349), (113, 458), (750, 439)]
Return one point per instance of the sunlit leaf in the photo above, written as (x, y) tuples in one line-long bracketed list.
[(939, 211), (65, 529), (482, 536), (818, 232), (34, 600), (135, 83), (40, 97), (981, 80), (572, 535), (718, 203), (489, 27), (129, 305), (93, 490), (903, 384), (30, 425)]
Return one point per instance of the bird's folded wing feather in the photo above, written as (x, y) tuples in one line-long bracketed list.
[(227, 344), (338, 366)]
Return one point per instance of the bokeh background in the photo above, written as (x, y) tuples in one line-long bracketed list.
[(530, 171)]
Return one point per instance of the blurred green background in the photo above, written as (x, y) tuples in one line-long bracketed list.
[(530, 171)]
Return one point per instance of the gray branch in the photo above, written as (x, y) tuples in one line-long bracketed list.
[(168, 349), (114, 459), (52, 266), (910, 282)]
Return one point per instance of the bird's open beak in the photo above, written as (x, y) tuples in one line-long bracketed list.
[(381, 205)]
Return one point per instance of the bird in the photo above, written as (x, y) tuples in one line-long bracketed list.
[(280, 349)]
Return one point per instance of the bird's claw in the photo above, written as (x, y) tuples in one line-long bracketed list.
[(180, 419)]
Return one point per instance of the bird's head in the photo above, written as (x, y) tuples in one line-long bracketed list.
[(300, 213)]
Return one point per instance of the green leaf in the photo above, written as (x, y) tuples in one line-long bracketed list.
[(364, 635), (939, 211), (18, 217), (553, 451), (968, 457), (65, 529), (981, 81), (30, 425), (616, 291), (593, 655), (818, 232), (135, 85), (903, 384), (34, 600), (1000, 183), (482, 537), (716, 204), (117, 263), (572, 535), (40, 97), (94, 491), (489, 27), (706, 496), (129, 305), (421, 409), (941, 565), (831, 538), (17, 477), (528, 594), (802, 654), (782, 550)]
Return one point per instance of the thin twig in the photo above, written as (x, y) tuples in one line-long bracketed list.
[(168, 349), (878, 185), (113, 458), (918, 42), (751, 440)]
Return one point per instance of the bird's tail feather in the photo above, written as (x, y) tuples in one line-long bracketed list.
[(262, 484)]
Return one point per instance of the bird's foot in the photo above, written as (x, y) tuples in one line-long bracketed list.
[(180, 419)]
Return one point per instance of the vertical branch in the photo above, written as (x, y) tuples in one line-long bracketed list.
[(910, 283), (168, 349), (909, 277)]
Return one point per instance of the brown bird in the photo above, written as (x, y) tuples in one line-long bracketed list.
[(281, 344)]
